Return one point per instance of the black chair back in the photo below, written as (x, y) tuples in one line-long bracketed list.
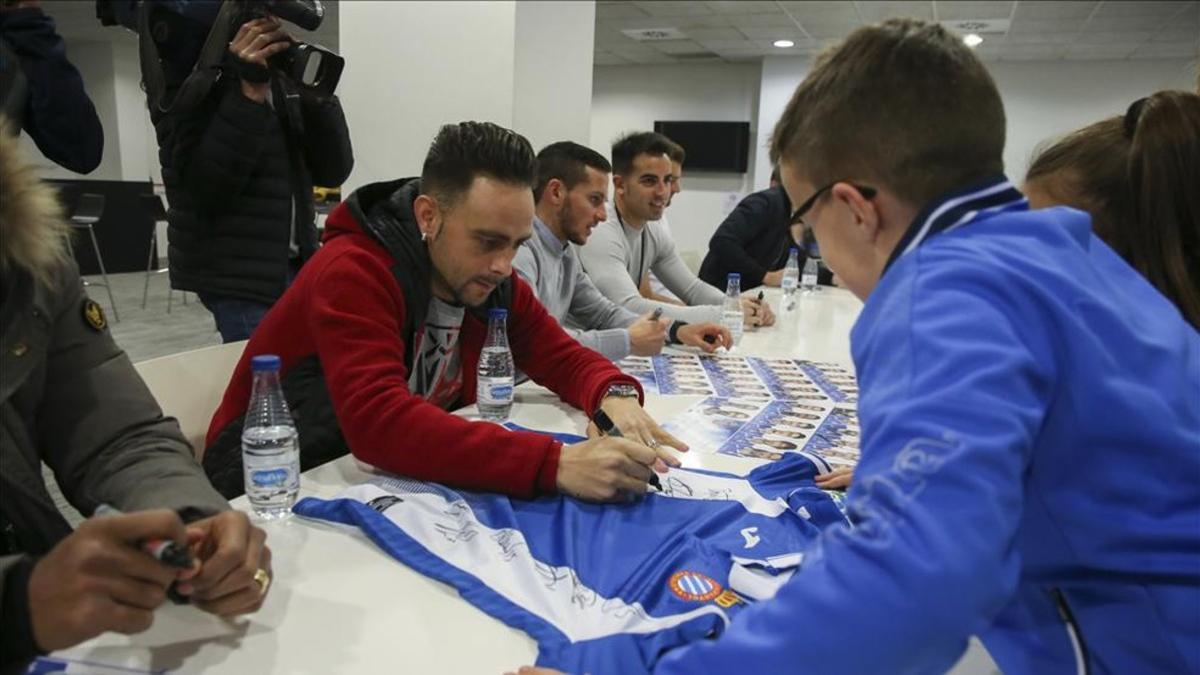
[(152, 205), (89, 208)]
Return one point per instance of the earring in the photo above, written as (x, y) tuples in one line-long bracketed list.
[(424, 235)]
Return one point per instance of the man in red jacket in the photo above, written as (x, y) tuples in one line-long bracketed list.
[(380, 335)]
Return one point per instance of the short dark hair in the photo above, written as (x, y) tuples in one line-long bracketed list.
[(935, 121), (676, 153), (461, 152), (568, 162), (626, 148)]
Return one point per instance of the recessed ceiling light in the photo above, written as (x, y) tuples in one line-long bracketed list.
[(784, 44), (972, 40)]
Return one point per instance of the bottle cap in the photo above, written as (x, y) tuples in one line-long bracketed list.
[(795, 250), (497, 313), (265, 362), (734, 276)]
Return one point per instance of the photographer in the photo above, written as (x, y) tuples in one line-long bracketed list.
[(239, 169)]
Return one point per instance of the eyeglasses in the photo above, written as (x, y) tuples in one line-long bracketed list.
[(798, 215)]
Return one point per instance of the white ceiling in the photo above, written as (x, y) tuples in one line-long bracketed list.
[(77, 22), (1039, 30)]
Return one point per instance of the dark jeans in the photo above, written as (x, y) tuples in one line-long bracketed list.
[(237, 317)]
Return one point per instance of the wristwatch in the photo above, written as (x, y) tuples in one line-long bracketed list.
[(621, 390)]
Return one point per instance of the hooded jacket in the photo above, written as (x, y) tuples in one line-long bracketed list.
[(344, 332), (69, 397)]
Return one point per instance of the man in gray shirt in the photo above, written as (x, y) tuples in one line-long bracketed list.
[(570, 192), (633, 241)]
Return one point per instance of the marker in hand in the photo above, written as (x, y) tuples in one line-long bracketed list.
[(606, 427), (165, 551)]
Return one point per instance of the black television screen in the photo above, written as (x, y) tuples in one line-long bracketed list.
[(711, 146)]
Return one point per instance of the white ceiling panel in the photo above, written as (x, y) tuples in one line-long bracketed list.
[(1037, 26), (1040, 30), (614, 11), (874, 12), (674, 8), (678, 47), (958, 11), (761, 20), (1054, 9), (1138, 8), (743, 7), (783, 32), (1165, 50), (714, 33), (1090, 52)]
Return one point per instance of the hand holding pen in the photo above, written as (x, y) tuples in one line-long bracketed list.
[(100, 578)]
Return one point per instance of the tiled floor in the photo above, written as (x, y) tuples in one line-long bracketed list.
[(151, 332)]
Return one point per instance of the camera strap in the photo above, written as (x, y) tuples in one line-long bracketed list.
[(205, 71)]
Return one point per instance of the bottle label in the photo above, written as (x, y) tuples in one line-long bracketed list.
[(269, 478), (495, 390)]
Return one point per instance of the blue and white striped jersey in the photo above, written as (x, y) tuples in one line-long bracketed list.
[(602, 588)]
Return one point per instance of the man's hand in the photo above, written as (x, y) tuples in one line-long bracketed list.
[(636, 425), (756, 312), (256, 41), (98, 579), (231, 552), (773, 278), (606, 469), (838, 479), (694, 334), (647, 336)]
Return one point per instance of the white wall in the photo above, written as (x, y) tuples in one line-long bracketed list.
[(412, 67), (1045, 100), (134, 131), (631, 98), (553, 71), (1042, 100), (780, 77)]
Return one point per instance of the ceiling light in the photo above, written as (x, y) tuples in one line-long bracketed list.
[(784, 44), (972, 40)]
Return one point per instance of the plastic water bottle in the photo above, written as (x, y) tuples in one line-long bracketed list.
[(791, 278), (270, 445), (808, 281), (495, 375), (731, 311)]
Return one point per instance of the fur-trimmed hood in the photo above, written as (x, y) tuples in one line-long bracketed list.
[(33, 231)]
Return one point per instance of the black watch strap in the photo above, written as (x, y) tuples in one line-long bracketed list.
[(673, 332)]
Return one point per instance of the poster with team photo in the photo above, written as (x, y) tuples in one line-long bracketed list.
[(752, 378), (769, 429)]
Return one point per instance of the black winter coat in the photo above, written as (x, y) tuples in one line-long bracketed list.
[(234, 170)]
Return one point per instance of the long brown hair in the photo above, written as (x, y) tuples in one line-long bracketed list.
[(1137, 176)]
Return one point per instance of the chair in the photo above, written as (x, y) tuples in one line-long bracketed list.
[(152, 205), (189, 386), (87, 214)]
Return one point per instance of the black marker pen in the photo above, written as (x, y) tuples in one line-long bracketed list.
[(165, 551), (606, 427)]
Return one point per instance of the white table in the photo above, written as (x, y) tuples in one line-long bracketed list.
[(339, 604)]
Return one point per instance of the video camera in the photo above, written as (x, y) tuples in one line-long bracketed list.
[(192, 36)]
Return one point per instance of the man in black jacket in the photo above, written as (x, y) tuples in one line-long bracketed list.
[(753, 241), (239, 171)]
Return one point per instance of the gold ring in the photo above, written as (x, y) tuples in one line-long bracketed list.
[(263, 579)]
